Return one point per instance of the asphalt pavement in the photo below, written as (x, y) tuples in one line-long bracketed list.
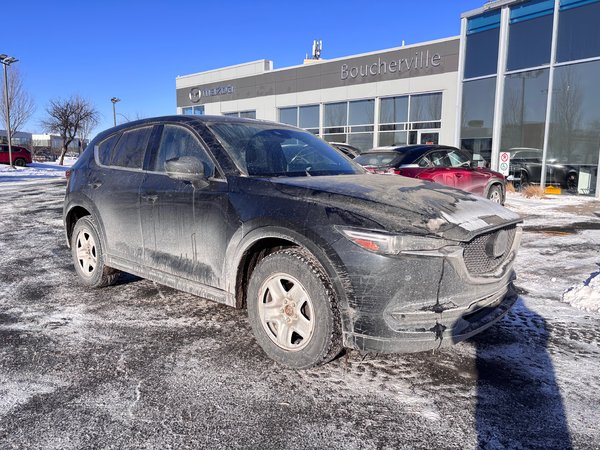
[(139, 365)]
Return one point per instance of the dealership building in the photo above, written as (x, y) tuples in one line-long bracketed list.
[(521, 78)]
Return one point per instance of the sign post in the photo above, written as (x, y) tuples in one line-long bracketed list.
[(504, 163)]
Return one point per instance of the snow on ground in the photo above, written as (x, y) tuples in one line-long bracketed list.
[(563, 233), (35, 171), (140, 365)]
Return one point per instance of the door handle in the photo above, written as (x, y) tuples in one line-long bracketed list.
[(150, 198), (95, 185)]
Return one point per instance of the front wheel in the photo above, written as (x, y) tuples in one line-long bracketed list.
[(20, 162), (88, 255), (495, 194), (292, 310)]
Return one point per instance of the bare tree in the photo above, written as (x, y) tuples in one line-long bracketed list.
[(20, 103), (85, 129), (65, 118)]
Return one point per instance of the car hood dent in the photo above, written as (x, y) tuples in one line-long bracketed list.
[(401, 204)]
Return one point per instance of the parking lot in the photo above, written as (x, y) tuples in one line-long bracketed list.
[(140, 365)]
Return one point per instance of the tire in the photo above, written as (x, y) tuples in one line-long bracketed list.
[(495, 194), (572, 182), (302, 327), (88, 255), (524, 181), (20, 162)]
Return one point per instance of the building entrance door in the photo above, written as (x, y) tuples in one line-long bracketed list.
[(423, 137)]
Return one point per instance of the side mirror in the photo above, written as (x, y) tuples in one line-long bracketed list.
[(186, 168), (474, 164)]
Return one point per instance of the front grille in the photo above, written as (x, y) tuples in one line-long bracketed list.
[(480, 254)]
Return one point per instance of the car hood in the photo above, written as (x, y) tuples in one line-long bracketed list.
[(401, 204)]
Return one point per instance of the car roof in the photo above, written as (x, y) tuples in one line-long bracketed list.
[(409, 151), (187, 119)]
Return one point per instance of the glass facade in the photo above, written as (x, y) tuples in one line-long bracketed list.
[(477, 118), (350, 122), (564, 152), (306, 117), (410, 119), (193, 110)]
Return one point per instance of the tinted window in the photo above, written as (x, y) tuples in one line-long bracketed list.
[(578, 31), (289, 116), (379, 159), (483, 34), (457, 159), (176, 142), (530, 34), (524, 109), (264, 150), (439, 158), (105, 148), (131, 148), (309, 117), (426, 107)]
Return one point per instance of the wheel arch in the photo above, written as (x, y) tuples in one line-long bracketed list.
[(265, 240)]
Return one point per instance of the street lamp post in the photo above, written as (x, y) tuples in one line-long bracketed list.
[(7, 61), (114, 100)]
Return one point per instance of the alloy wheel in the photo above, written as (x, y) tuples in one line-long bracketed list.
[(286, 312)]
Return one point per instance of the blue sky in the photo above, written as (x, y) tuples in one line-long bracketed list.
[(134, 50)]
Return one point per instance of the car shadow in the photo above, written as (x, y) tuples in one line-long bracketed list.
[(519, 404)]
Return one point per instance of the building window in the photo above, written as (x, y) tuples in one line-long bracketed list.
[(578, 30), (530, 34), (193, 110), (574, 140), (483, 35), (426, 108), (393, 118), (361, 120), (524, 110), (335, 120), (289, 116), (242, 114), (478, 119), (306, 117)]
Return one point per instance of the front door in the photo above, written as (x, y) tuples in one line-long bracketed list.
[(184, 225)]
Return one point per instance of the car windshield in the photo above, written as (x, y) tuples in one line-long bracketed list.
[(379, 159), (270, 151)]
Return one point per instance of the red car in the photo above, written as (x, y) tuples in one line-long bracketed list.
[(20, 155), (438, 163)]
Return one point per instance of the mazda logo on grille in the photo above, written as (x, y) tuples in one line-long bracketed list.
[(497, 245)]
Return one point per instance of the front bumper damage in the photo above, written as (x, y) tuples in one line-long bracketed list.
[(426, 300)]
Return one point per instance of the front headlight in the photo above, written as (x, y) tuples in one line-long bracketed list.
[(392, 244)]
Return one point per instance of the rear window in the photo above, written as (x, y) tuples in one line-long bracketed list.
[(380, 159), (105, 149), (130, 150)]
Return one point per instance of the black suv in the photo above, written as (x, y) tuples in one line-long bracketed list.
[(268, 217)]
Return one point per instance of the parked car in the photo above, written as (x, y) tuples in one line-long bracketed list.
[(20, 155), (526, 168), (439, 163), (268, 217), (44, 155), (347, 149)]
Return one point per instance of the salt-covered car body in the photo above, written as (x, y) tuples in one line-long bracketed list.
[(403, 264)]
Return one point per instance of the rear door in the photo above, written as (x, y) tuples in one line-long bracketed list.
[(185, 226), (114, 189)]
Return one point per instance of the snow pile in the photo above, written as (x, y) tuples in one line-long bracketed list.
[(585, 296), (35, 171)]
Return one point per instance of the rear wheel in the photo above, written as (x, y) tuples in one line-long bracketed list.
[(495, 194), (88, 255), (572, 182), (292, 310), (20, 162)]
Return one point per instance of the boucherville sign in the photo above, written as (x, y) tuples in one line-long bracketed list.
[(420, 60)]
